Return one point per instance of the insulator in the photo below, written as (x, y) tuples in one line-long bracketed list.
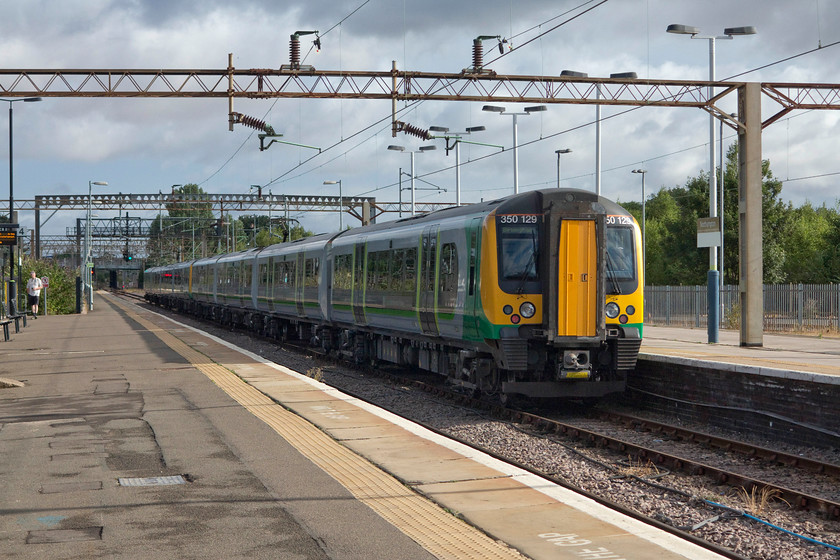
[(478, 54), (253, 122), (416, 131), (294, 51)]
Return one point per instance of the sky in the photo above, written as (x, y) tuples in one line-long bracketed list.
[(146, 145)]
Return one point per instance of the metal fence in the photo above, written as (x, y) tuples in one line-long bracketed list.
[(787, 307)]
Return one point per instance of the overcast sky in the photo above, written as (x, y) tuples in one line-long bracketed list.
[(145, 146)]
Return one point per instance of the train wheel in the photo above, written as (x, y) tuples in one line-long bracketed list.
[(510, 400)]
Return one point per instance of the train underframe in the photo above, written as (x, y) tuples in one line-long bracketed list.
[(509, 367)]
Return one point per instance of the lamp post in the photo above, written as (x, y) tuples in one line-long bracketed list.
[(420, 150), (728, 33), (340, 203), (528, 111), (86, 262), (644, 242), (456, 139), (12, 293), (559, 153)]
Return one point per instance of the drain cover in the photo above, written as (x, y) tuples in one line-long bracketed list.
[(64, 535), (153, 481)]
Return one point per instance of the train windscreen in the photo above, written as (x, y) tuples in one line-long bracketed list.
[(519, 255), (621, 259)]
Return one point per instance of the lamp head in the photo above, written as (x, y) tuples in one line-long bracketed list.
[(427, 148), (746, 30), (625, 75), (563, 151), (680, 29), (439, 128), (396, 148), (493, 109), (574, 74), (536, 109), (475, 129)]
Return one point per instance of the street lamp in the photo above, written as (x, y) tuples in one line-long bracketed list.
[(644, 243), (420, 150), (559, 152), (528, 111), (11, 300), (728, 33), (86, 265), (340, 203), (456, 143)]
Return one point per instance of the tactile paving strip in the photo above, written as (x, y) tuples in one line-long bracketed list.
[(439, 532)]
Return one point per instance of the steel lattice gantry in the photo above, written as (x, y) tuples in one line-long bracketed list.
[(295, 81), (365, 209), (397, 85)]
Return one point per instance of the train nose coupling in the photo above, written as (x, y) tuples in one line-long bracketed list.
[(575, 359)]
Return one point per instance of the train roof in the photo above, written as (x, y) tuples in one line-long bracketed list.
[(530, 198), (522, 202)]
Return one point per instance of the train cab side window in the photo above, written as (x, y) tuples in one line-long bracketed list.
[(448, 276)]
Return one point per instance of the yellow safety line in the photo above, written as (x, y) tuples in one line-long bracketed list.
[(440, 533)]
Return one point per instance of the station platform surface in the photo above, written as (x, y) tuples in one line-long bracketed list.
[(124, 434), (786, 355)]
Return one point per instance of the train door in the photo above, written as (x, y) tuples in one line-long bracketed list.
[(299, 281), (473, 303), (359, 284), (577, 290), (427, 298)]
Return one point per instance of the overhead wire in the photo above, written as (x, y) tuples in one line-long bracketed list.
[(271, 108), (442, 87)]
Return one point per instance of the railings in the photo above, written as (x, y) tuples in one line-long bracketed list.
[(787, 307)]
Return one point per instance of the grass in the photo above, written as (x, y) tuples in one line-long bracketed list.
[(315, 373), (757, 500)]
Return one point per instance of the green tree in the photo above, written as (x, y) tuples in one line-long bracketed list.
[(186, 231), (60, 296), (672, 253), (807, 243)]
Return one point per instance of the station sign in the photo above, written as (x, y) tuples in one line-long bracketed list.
[(708, 232), (8, 234)]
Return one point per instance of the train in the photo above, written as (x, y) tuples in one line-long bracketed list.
[(536, 295)]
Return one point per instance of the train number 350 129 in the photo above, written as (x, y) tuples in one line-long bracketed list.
[(620, 220), (518, 218)]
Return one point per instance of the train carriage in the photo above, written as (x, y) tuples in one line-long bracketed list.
[(537, 294)]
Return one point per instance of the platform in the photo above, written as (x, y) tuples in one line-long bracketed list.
[(134, 436), (781, 354)]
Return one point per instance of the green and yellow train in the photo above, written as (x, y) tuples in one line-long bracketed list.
[(539, 294)]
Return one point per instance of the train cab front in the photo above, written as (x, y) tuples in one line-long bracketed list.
[(568, 294)]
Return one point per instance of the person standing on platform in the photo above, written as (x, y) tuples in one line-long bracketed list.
[(33, 292)]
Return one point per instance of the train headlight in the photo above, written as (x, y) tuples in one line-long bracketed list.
[(527, 309), (631, 310), (612, 310)]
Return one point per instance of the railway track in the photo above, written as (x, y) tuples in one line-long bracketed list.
[(795, 498), (540, 424)]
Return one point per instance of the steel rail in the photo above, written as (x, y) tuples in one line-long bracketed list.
[(794, 497)]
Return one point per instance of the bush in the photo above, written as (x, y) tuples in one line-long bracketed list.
[(61, 295)]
